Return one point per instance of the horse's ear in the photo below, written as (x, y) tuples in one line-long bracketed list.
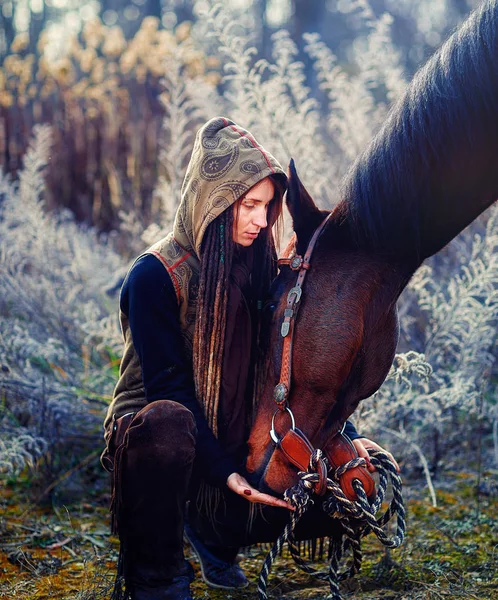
[(306, 216)]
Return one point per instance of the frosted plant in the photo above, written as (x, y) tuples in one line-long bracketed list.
[(351, 104), (422, 403), (354, 111), (205, 97), (181, 114), (379, 61), (432, 19), (244, 93), (461, 332), (296, 116), (402, 407), (56, 334), (18, 448), (270, 99), (131, 228), (187, 102)]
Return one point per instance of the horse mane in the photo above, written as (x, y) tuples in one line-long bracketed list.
[(432, 168)]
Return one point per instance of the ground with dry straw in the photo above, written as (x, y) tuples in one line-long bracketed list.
[(66, 551)]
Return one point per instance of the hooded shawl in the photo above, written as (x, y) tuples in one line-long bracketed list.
[(226, 162)]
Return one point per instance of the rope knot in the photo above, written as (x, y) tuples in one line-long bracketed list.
[(352, 464), (316, 456)]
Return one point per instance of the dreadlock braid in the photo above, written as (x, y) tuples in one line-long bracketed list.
[(209, 336)]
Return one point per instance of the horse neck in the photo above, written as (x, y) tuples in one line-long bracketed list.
[(431, 170)]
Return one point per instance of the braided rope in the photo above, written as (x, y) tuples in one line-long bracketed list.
[(300, 500), (358, 518)]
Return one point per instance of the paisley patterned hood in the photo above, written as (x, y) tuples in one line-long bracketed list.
[(226, 162)]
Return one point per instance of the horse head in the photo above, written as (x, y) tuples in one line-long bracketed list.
[(333, 363)]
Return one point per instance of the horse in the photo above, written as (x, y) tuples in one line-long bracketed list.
[(428, 173)]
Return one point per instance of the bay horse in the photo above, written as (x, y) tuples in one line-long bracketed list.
[(429, 172)]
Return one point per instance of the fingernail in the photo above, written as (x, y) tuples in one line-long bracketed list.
[(247, 492)]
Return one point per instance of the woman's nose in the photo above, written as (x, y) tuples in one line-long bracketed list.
[(260, 217)]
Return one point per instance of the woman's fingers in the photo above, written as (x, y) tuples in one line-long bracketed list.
[(241, 486), (362, 445), (267, 499), (362, 453)]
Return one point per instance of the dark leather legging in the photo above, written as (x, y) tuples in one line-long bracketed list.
[(153, 474)]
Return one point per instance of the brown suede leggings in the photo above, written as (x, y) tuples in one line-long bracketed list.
[(152, 458)]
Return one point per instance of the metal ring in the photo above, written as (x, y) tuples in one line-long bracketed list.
[(273, 433)]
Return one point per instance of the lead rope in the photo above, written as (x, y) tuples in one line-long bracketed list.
[(357, 518)]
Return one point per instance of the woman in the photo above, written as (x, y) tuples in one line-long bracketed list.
[(178, 424)]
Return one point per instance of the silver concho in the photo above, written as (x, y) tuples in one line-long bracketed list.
[(280, 393), (296, 263)]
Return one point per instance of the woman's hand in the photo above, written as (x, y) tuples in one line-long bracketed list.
[(240, 485), (362, 445)]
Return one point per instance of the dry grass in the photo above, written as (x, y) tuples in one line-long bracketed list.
[(66, 552), (104, 101)]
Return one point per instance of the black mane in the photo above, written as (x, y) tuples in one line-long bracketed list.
[(433, 167)]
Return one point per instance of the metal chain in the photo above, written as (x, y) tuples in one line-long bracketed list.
[(357, 518)]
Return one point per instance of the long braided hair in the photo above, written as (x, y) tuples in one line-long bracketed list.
[(217, 251)]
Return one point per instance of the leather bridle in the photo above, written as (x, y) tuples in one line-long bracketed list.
[(295, 445), (301, 265)]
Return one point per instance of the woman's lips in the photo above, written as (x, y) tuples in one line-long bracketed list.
[(252, 235)]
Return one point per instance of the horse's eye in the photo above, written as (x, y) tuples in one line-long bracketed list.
[(269, 306)]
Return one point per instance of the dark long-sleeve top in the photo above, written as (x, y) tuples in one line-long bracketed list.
[(149, 300)]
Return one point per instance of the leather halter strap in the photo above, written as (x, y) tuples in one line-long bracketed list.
[(295, 445), (296, 263)]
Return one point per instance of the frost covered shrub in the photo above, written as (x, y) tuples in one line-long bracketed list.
[(59, 337), (439, 399), (187, 103), (57, 340)]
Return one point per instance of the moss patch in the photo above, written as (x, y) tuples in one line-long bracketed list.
[(66, 552)]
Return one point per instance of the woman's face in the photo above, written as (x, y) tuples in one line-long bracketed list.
[(250, 212)]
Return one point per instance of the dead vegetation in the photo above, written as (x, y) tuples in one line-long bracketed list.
[(65, 551)]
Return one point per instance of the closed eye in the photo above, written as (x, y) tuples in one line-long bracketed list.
[(251, 204)]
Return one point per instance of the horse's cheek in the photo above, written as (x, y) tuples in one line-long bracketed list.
[(259, 441), (279, 475)]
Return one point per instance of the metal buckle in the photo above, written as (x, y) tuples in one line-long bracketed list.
[(273, 433), (297, 290)]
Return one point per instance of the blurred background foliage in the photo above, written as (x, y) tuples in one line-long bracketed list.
[(99, 103), (93, 71)]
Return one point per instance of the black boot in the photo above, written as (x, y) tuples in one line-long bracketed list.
[(217, 571)]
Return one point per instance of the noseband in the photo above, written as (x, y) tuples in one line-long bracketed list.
[(295, 445)]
